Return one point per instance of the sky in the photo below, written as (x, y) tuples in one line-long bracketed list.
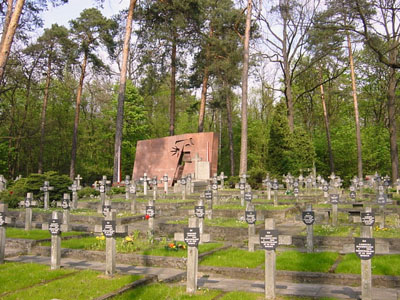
[(64, 13)]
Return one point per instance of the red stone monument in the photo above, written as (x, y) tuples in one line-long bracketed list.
[(176, 156)]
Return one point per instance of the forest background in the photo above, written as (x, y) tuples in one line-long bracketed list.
[(323, 82)]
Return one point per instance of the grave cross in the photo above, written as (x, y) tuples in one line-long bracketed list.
[(242, 187), (150, 215), (65, 203), (397, 185), (208, 195), (251, 218), (365, 249), (192, 238), (132, 196), (144, 180), (214, 187), (199, 212), (54, 227), (269, 241), (109, 229), (165, 181), (3, 183), (28, 203), (381, 199), (74, 188), (222, 178), (46, 188), (183, 187), (275, 187), (308, 217), (78, 180), (334, 198), (154, 183), (267, 184), (4, 219), (127, 186)]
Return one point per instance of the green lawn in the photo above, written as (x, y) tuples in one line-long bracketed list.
[(32, 281), (257, 207), (35, 234), (222, 222), (381, 265), (287, 260), (328, 230), (138, 245), (235, 258)]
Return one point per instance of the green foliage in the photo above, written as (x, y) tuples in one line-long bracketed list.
[(257, 175), (116, 190), (87, 191)]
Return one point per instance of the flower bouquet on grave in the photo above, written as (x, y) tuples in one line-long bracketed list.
[(175, 246), (99, 244)]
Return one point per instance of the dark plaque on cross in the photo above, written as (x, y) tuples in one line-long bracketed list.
[(165, 178), (208, 194), (296, 184), (132, 189), (2, 219), (65, 203), (325, 188), (308, 217), (381, 199), (296, 191), (108, 228), (106, 209), (269, 239), (200, 211), (54, 227), (368, 218), (334, 198), (27, 202), (275, 185), (214, 186), (248, 196), (102, 189), (353, 195), (364, 248), (191, 236), (150, 211), (242, 186), (250, 216), (183, 181)]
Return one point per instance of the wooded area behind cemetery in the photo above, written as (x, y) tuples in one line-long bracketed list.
[(321, 89)]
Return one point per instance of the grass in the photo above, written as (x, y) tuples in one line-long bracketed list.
[(138, 246), (257, 207), (235, 258), (381, 233), (27, 274), (305, 262), (222, 222), (35, 234), (328, 230), (381, 265), (84, 285)]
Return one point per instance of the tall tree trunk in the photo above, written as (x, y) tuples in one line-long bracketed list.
[(391, 105), (9, 36), (43, 116), (356, 116), (76, 121), (230, 129), (173, 84), (121, 95), (245, 77), (7, 20), (204, 87), (286, 65), (328, 133)]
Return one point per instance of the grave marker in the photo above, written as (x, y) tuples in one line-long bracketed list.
[(28, 204), (150, 215), (192, 239), (275, 187), (109, 229), (132, 195), (66, 205), (144, 179), (214, 187), (127, 186), (334, 198), (267, 184), (242, 187), (251, 218), (154, 183), (308, 217), (74, 188), (55, 231), (183, 184), (269, 242), (165, 181), (222, 178), (3, 183), (364, 247), (381, 199), (4, 220), (78, 180), (208, 195), (46, 188)]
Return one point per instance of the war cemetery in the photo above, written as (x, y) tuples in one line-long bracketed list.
[(182, 231), (199, 149)]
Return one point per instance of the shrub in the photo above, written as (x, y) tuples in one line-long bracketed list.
[(256, 176), (115, 190), (87, 191)]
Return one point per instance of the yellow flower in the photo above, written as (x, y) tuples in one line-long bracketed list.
[(102, 238), (128, 239)]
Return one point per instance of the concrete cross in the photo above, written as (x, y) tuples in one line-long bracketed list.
[(4, 220), (74, 188), (46, 188), (78, 180)]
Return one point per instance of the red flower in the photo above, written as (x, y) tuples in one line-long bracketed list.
[(11, 192), (147, 217)]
